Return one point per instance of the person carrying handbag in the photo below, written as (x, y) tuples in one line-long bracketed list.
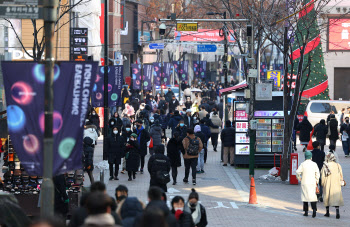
[(332, 181)]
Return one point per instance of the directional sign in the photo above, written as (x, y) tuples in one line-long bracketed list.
[(193, 26), (19, 2), (80, 32), (206, 48), (21, 12), (79, 50), (156, 46)]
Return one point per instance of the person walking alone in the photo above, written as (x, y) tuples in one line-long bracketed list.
[(332, 178), (320, 132), (333, 127), (305, 129), (227, 141), (174, 148), (192, 146), (132, 156), (309, 176), (142, 137), (115, 150), (159, 168), (215, 131)]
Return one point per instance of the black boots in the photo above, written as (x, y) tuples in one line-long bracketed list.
[(314, 213), (327, 212), (306, 214), (338, 215)]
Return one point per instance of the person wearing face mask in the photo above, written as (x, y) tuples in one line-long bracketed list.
[(173, 104), (195, 117), (115, 151), (184, 219), (90, 130), (132, 156), (182, 129), (142, 138), (174, 121), (188, 120), (126, 121), (345, 131), (151, 121), (126, 135), (95, 120), (197, 210)]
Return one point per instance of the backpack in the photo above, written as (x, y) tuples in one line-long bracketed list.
[(193, 148), (163, 177)]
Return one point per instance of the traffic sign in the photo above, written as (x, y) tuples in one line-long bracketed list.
[(206, 48), (154, 46), (21, 12), (193, 26)]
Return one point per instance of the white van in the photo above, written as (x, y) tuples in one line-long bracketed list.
[(320, 109)]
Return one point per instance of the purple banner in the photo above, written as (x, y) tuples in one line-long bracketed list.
[(181, 68), (147, 78), (168, 71), (136, 76), (196, 68), (157, 77), (203, 68), (263, 71), (24, 88), (115, 84)]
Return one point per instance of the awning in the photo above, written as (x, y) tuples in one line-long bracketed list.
[(239, 86)]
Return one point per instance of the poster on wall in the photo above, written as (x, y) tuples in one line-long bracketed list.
[(242, 149), (338, 34), (241, 126), (241, 115), (24, 88), (242, 138)]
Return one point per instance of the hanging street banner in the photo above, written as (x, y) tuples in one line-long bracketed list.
[(147, 78), (24, 89), (181, 68), (203, 68), (275, 76), (115, 85), (196, 66), (157, 73), (136, 76), (168, 71)]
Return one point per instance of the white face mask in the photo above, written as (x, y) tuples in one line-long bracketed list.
[(135, 126), (132, 139), (194, 118), (93, 113), (115, 132), (152, 121), (179, 208), (112, 123)]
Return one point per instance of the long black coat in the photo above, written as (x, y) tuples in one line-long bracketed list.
[(88, 154), (189, 125), (174, 152), (133, 158), (95, 120), (115, 149), (333, 126), (173, 105), (143, 139), (158, 162), (305, 128), (321, 133)]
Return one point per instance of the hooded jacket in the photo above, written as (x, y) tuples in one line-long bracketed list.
[(90, 131), (173, 152), (129, 210), (174, 121), (156, 134), (88, 155), (115, 148), (158, 162), (305, 128)]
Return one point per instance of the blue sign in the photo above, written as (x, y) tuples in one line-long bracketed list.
[(156, 46), (206, 48)]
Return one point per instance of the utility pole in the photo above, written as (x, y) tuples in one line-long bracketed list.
[(105, 83), (252, 80), (47, 191)]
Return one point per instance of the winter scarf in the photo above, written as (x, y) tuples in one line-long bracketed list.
[(329, 158), (100, 220), (196, 215)]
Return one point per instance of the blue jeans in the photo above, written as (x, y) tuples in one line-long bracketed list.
[(200, 165), (346, 146)]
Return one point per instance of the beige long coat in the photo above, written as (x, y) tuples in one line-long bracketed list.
[(332, 195), (309, 174), (216, 121)]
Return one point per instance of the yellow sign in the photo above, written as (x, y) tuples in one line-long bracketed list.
[(275, 76), (193, 26)]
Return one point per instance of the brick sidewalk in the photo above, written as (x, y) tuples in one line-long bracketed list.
[(224, 191)]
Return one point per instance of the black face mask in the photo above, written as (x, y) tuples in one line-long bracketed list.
[(347, 121), (193, 205)]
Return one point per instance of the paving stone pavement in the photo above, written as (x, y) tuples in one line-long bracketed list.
[(224, 191)]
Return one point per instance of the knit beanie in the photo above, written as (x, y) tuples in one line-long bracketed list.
[(308, 155)]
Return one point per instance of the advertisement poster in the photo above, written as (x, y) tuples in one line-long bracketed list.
[(241, 115), (338, 36), (242, 138), (181, 68), (115, 85), (242, 149), (203, 68), (241, 126), (24, 87), (157, 73), (147, 78), (136, 76), (196, 65), (168, 71)]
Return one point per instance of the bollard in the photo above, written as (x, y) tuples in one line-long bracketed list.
[(102, 175)]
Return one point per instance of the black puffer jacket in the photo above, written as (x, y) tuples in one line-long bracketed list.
[(169, 217), (158, 162), (173, 152), (88, 155), (130, 211), (185, 219), (321, 133), (333, 126), (132, 155), (305, 128), (228, 137), (95, 120), (115, 148)]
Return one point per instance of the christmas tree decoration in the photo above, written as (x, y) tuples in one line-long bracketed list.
[(307, 27)]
